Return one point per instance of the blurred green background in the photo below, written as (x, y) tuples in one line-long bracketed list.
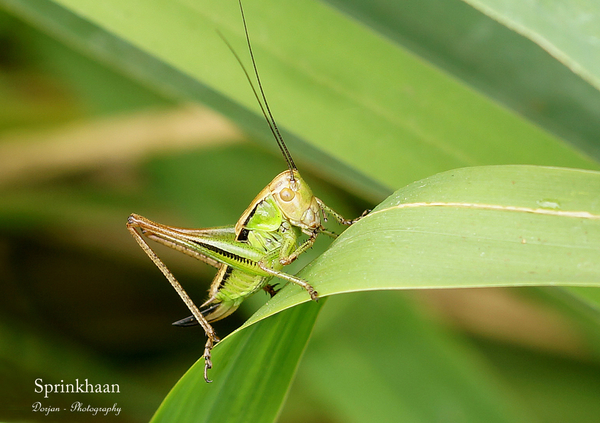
[(87, 138)]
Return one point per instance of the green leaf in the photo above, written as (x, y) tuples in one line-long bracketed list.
[(567, 30), (472, 227), (376, 108), (590, 296), (252, 372), (493, 59)]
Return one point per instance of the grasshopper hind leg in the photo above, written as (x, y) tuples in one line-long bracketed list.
[(135, 222)]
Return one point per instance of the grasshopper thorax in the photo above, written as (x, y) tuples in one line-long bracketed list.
[(296, 200)]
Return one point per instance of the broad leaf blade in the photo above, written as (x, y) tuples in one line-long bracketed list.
[(472, 227)]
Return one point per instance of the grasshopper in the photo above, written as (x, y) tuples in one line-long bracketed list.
[(251, 253)]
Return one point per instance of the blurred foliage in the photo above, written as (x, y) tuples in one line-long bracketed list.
[(94, 127)]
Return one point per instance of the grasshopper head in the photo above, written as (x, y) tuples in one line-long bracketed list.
[(296, 200)]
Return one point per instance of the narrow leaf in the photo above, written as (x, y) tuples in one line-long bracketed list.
[(569, 30), (375, 107), (252, 371)]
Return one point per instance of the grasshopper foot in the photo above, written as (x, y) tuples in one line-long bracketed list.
[(210, 343), (366, 212), (207, 365), (314, 295)]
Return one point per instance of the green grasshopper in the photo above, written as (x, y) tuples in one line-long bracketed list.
[(249, 254)]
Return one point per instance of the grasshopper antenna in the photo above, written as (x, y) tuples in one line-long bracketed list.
[(262, 99)]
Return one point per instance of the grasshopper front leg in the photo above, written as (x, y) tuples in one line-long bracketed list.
[(287, 259), (289, 242), (134, 222), (314, 295), (338, 216)]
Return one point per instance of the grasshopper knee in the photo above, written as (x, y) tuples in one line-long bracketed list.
[(133, 220)]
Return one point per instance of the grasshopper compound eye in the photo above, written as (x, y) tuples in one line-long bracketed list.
[(287, 195)]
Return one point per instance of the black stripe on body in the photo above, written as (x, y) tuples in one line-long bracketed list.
[(243, 235), (225, 253), (225, 277)]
